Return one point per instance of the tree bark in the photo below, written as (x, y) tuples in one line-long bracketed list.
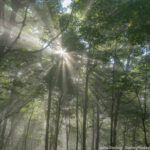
[(116, 121), (27, 132), (77, 122), (2, 136), (124, 134), (93, 131), (134, 134), (145, 111), (67, 134), (115, 106), (112, 108), (97, 128), (57, 122), (47, 121), (145, 132), (85, 107), (2, 12)]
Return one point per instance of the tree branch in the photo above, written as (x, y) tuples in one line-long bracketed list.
[(9, 48), (21, 29), (54, 38)]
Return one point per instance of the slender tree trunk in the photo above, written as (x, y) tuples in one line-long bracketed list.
[(27, 132), (93, 131), (67, 134), (145, 111), (47, 121), (134, 134), (116, 120), (116, 98), (2, 12), (8, 137), (145, 132), (50, 142), (57, 122), (85, 107), (11, 132), (97, 129), (124, 135), (142, 118), (77, 122), (2, 136), (112, 109)]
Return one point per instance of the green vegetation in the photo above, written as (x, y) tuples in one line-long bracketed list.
[(74, 76)]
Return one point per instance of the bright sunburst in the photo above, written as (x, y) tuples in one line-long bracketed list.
[(61, 52)]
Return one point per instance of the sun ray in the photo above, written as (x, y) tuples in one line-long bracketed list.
[(61, 53), (89, 4)]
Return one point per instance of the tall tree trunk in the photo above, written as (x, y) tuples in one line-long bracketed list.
[(142, 118), (124, 134), (145, 111), (77, 121), (12, 131), (27, 132), (116, 120), (115, 106), (50, 142), (67, 134), (2, 136), (112, 109), (145, 132), (85, 107), (93, 130), (57, 122), (97, 128), (1, 12), (134, 133), (47, 121)]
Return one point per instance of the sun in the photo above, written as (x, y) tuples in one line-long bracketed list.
[(61, 52)]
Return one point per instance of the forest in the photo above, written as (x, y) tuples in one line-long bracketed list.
[(74, 74)]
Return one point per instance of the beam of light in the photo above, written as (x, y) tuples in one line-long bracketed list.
[(61, 52), (29, 40), (89, 4), (65, 67), (67, 58)]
